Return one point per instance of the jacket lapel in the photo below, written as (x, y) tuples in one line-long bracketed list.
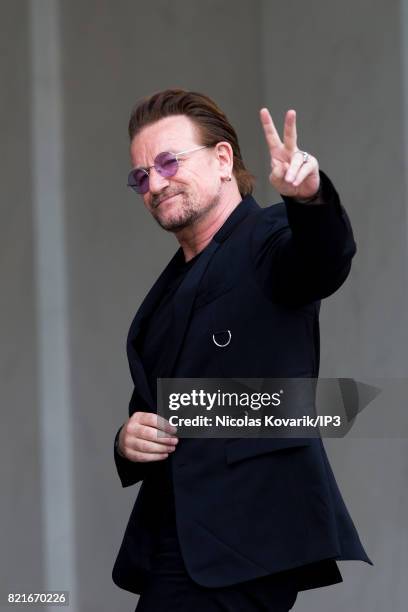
[(153, 297)]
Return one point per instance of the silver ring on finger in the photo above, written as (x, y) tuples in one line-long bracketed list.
[(305, 156)]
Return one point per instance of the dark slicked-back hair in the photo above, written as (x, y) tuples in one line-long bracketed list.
[(212, 124)]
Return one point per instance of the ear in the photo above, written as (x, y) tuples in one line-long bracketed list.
[(225, 157)]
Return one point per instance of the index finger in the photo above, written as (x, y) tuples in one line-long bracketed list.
[(271, 133)]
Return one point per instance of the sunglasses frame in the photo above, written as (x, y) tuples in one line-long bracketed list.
[(148, 168)]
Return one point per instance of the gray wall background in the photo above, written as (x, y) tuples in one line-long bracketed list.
[(79, 252)]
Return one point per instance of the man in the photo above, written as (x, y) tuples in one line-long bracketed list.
[(229, 524)]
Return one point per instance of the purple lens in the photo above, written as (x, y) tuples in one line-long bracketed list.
[(138, 180), (166, 164)]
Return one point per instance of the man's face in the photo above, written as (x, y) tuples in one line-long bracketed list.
[(178, 201)]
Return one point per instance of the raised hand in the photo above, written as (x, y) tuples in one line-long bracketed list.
[(294, 173)]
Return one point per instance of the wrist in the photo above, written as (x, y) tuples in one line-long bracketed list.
[(314, 199)]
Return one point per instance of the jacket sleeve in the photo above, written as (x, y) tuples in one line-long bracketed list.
[(302, 252)]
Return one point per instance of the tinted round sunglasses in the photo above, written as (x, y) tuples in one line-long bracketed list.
[(166, 164)]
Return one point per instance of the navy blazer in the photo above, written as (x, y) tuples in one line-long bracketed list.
[(246, 508)]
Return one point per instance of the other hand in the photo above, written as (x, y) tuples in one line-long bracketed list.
[(139, 438)]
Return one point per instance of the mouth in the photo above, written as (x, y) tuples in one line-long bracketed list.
[(166, 199)]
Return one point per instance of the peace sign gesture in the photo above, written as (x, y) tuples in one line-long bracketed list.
[(294, 173)]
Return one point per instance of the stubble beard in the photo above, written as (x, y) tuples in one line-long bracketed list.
[(189, 211)]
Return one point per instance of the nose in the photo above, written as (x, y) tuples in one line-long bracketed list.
[(157, 182)]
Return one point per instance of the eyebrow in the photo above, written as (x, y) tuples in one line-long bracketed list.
[(146, 168)]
